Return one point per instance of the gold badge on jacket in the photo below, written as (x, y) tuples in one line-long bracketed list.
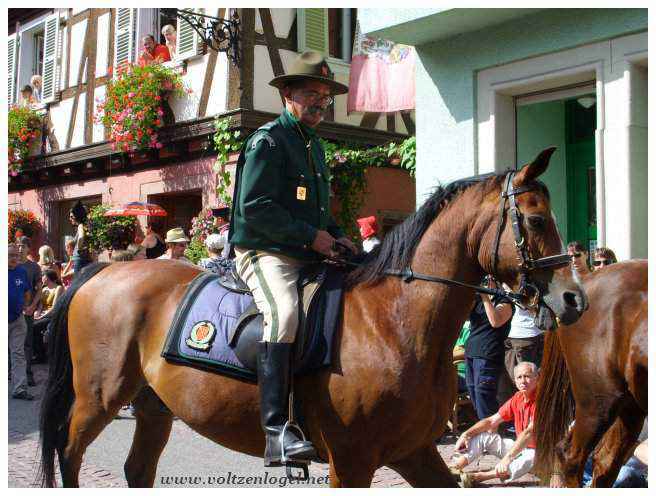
[(300, 193)]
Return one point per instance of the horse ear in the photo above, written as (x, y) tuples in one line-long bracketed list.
[(534, 169)]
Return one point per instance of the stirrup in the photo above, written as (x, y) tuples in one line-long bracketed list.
[(292, 426)]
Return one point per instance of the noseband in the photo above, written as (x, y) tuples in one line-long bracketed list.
[(526, 263)]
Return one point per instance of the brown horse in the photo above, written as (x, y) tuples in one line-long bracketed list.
[(385, 398), (599, 366)]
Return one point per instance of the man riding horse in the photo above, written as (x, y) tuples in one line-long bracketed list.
[(280, 223)]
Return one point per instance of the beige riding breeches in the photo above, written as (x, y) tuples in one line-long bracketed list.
[(272, 279)]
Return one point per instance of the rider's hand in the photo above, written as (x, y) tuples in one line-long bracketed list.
[(349, 244), (323, 243)]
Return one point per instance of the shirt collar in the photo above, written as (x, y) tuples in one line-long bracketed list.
[(290, 121)]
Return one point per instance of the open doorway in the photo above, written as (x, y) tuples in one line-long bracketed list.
[(181, 208), (568, 121)]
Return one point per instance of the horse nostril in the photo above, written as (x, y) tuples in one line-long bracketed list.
[(570, 299)]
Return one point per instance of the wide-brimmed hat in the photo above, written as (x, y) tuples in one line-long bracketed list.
[(176, 235), (310, 66), (368, 226), (221, 210)]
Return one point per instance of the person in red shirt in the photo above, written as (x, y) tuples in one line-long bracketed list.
[(153, 53), (516, 456)]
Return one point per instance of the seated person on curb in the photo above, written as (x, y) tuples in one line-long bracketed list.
[(281, 222), (516, 456)]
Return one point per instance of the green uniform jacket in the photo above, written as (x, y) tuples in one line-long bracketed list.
[(281, 198)]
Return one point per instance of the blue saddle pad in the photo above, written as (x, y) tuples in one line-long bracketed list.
[(208, 312)]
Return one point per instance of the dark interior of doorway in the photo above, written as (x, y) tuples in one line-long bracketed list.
[(580, 125), (180, 207)]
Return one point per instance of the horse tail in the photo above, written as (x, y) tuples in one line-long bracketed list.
[(59, 395), (554, 407)]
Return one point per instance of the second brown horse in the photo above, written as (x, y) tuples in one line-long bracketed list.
[(597, 367)]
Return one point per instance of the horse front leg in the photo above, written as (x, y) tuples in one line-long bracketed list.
[(351, 469), (425, 468)]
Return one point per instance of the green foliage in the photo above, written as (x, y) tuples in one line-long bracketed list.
[(406, 153), (109, 232), (196, 250), (226, 142), (347, 165)]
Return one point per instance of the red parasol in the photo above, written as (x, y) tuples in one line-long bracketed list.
[(137, 208)]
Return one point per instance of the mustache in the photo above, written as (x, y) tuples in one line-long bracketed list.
[(316, 109)]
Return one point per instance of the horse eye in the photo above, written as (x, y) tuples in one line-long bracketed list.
[(536, 222)]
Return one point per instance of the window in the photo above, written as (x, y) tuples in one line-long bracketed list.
[(164, 17), (341, 33), (35, 50), (330, 31)]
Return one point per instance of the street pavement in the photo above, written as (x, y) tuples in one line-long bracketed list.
[(189, 460)]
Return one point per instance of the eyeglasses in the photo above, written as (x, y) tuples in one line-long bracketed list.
[(597, 263), (317, 97), (575, 255)]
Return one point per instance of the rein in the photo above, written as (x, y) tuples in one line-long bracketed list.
[(525, 261)]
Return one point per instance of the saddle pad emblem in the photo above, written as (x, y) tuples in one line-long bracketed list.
[(201, 336)]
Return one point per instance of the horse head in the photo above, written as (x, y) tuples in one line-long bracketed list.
[(524, 249)]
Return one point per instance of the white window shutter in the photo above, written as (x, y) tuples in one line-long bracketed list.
[(189, 43), (12, 57), (124, 38), (50, 81), (313, 30)]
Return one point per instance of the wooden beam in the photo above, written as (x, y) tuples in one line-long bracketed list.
[(280, 43), (92, 48), (370, 119), (247, 69), (76, 100), (69, 30), (391, 122), (409, 123), (274, 54), (110, 55), (210, 68)]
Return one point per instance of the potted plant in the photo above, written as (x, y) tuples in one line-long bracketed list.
[(109, 233), (24, 129), (134, 105), (22, 222)]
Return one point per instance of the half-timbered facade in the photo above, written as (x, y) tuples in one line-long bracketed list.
[(75, 51)]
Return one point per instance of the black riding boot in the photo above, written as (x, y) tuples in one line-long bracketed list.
[(273, 362)]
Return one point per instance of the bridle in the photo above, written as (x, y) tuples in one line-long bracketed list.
[(528, 290), (526, 263)]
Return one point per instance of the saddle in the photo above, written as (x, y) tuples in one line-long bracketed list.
[(217, 325)]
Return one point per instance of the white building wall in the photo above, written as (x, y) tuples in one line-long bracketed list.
[(218, 98), (98, 128), (621, 135), (102, 46), (60, 115), (77, 46)]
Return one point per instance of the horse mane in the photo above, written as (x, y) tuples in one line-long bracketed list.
[(398, 247), (554, 409)]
